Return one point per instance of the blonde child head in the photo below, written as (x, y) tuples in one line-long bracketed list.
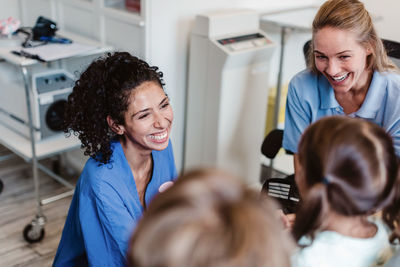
[(209, 218)]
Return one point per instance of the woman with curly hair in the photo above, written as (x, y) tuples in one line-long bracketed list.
[(123, 117)]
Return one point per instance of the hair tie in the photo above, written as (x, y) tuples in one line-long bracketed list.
[(325, 181)]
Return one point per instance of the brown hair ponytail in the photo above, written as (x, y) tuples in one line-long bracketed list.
[(347, 166), (312, 210)]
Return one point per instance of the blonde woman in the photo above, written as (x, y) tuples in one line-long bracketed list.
[(349, 74)]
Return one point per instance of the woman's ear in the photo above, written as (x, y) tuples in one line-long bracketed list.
[(369, 50), (115, 127)]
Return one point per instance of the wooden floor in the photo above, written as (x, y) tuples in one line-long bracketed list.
[(18, 207)]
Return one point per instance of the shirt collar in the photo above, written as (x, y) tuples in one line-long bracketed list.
[(374, 97), (372, 101), (327, 96)]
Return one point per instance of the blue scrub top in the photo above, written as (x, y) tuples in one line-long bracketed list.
[(311, 97), (106, 207)]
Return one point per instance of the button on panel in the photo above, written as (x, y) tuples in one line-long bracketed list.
[(260, 42), (241, 46), (52, 82)]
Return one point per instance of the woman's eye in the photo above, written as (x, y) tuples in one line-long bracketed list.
[(344, 57), (143, 116), (320, 57), (165, 105)]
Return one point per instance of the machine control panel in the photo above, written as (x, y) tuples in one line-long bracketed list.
[(243, 42), (52, 82)]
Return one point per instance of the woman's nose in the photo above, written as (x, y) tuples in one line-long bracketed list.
[(160, 121), (332, 68)]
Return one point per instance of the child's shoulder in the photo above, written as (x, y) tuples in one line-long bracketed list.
[(333, 249)]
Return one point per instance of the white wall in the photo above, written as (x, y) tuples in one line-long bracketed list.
[(389, 18), (9, 9)]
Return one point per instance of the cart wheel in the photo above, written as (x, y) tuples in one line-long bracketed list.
[(1, 186), (32, 235)]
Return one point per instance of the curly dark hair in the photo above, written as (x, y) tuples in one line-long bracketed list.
[(103, 89)]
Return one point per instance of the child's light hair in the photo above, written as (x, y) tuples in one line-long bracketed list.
[(209, 218)]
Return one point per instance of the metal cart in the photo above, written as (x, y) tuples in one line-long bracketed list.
[(31, 150)]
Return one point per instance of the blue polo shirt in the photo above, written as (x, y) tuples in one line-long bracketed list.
[(311, 97)]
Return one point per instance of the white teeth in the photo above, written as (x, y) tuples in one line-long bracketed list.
[(158, 137), (340, 78)]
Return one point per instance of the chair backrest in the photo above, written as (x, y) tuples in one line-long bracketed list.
[(306, 51), (272, 143), (392, 49), (283, 190)]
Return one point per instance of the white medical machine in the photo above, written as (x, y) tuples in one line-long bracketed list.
[(50, 89), (227, 93)]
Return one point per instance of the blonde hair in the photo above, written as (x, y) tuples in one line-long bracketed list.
[(209, 218), (351, 15)]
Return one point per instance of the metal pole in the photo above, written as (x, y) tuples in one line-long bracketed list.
[(278, 90), (32, 137), (279, 82), (57, 197)]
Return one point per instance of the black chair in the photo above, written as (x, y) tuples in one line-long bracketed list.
[(306, 51), (392, 50), (272, 143), (283, 190)]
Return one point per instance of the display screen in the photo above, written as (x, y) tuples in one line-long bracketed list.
[(241, 38)]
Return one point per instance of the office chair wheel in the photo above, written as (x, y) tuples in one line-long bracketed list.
[(32, 235)]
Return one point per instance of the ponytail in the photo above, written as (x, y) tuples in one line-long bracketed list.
[(349, 167), (313, 208), (391, 214)]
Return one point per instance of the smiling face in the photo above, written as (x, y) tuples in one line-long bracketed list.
[(148, 118), (341, 59)]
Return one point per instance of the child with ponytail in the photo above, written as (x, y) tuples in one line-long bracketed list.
[(348, 173)]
